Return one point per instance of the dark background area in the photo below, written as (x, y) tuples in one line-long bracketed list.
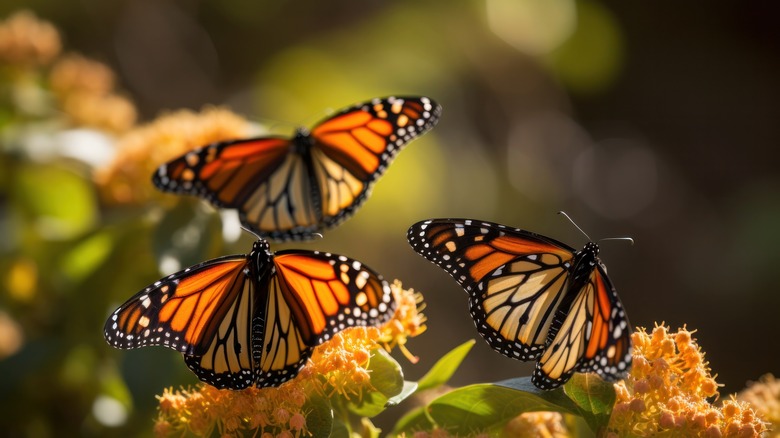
[(655, 120)]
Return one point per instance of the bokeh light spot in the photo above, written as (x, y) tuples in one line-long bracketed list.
[(534, 27), (109, 411), (617, 178)]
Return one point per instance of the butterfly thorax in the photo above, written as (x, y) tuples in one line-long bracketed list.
[(260, 257), (302, 141), (585, 261)]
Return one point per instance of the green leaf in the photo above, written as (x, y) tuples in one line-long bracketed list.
[(445, 367), (409, 389), (594, 398), (87, 256), (319, 420), (387, 379), (488, 407), (340, 430), (415, 420), (61, 203), (557, 396)]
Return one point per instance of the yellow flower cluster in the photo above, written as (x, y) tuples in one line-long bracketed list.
[(764, 397), (85, 91), (126, 179), (26, 41), (666, 392), (338, 366)]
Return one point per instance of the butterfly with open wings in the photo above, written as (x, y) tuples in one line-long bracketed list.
[(252, 319), (292, 188), (532, 297)]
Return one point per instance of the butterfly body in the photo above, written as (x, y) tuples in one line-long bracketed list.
[(292, 188), (252, 319), (532, 297)]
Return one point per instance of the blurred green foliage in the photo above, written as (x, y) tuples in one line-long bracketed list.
[(696, 92)]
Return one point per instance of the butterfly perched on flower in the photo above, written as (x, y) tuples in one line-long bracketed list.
[(532, 297), (252, 319), (292, 188)]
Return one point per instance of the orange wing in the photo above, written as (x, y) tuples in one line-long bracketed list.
[(270, 186), (353, 148), (325, 293), (185, 310), (593, 337), (515, 278)]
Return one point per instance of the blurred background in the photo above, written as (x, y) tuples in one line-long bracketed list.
[(655, 120)]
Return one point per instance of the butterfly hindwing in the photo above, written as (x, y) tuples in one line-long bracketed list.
[(593, 337), (280, 351), (229, 362), (608, 345), (289, 189), (533, 297)]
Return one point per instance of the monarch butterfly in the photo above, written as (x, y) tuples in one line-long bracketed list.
[(532, 297), (252, 318), (289, 189)]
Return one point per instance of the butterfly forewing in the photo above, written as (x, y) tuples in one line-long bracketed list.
[(514, 278), (356, 145), (224, 173), (181, 311), (328, 293)]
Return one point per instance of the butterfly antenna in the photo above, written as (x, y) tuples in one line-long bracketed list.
[(630, 240), (575, 225), (275, 124), (313, 117), (250, 231)]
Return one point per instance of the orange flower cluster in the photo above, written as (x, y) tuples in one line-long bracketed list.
[(408, 322), (667, 390), (206, 409), (443, 433), (81, 89), (540, 424), (338, 366), (139, 152), (85, 91), (764, 397), (26, 41)]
